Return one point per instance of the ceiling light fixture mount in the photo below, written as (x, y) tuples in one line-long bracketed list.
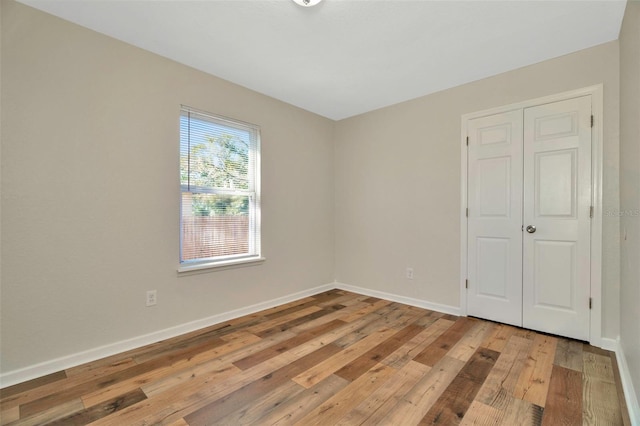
[(307, 3)]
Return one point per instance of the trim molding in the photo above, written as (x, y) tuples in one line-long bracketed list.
[(630, 395), (400, 299), (38, 370), (609, 344)]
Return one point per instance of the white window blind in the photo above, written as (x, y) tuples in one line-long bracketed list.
[(219, 181)]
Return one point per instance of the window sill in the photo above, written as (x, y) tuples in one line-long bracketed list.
[(221, 265)]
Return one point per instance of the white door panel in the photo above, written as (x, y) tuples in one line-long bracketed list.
[(495, 217), (492, 267), (555, 267), (557, 170), (525, 167), (557, 199), (494, 187)]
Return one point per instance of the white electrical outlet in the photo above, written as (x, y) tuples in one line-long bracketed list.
[(409, 273), (152, 297)]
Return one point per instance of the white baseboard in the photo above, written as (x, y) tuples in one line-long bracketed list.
[(630, 395), (453, 310), (38, 370), (608, 344)]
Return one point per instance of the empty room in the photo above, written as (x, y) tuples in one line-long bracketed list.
[(319, 212)]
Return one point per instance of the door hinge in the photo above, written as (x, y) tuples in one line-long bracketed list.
[(591, 120), (467, 213), (466, 283), (467, 140), (590, 302), (591, 211)]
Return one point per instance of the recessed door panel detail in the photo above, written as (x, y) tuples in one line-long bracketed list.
[(494, 187), (554, 274), (556, 126), (495, 134), (492, 267), (555, 186)]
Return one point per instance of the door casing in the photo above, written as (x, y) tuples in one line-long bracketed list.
[(596, 92)]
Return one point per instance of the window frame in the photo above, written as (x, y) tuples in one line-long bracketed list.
[(254, 254)]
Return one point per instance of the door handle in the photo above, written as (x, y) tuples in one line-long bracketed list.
[(531, 229)]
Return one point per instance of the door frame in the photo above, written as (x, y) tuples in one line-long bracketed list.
[(596, 92)]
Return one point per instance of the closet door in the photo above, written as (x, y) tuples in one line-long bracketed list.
[(495, 217), (557, 200)]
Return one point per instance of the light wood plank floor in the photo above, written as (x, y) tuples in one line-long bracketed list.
[(336, 358)]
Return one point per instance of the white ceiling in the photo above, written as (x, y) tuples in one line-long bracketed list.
[(346, 57)]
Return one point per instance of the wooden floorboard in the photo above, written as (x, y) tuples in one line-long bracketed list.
[(335, 358), (452, 405)]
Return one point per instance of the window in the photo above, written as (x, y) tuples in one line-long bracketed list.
[(220, 191)]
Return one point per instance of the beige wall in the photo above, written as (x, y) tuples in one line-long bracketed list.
[(397, 177), (630, 190), (90, 192)]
